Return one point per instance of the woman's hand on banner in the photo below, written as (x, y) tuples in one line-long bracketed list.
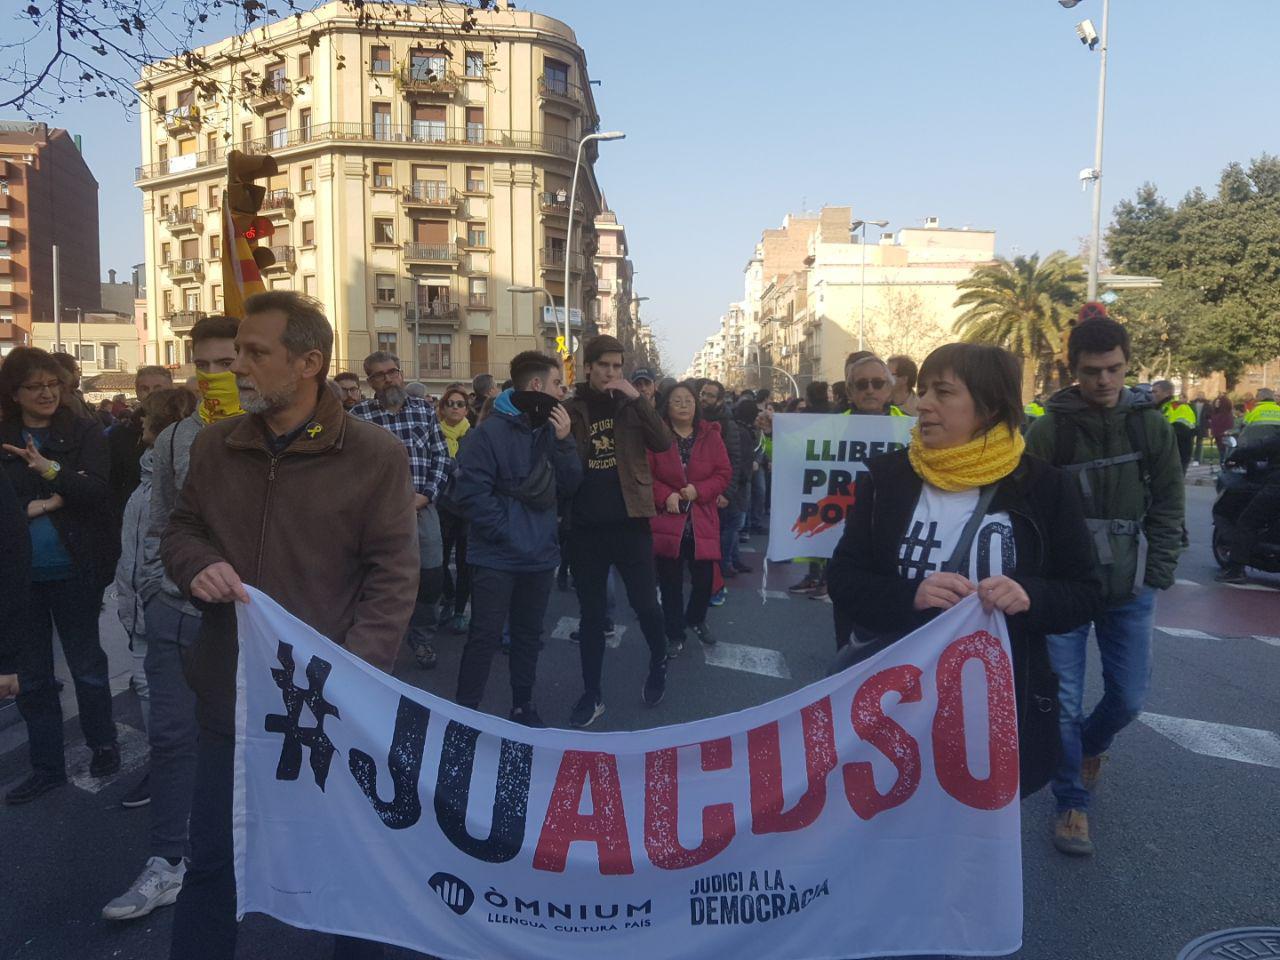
[(673, 503), (942, 591), (219, 583), (1003, 594)]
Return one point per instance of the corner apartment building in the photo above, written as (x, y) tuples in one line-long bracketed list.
[(423, 169), (47, 196), (613, 311)]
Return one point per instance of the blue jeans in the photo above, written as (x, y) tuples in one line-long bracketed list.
[(1124, 642), (731, 521)]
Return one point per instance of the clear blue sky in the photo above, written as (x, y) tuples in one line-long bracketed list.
[(980, 113)]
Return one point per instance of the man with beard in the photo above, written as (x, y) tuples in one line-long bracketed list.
[(614, 427), (348, 385), (414, 424), (315, 509)]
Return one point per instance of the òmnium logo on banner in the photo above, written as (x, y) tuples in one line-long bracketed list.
[(847, 818)]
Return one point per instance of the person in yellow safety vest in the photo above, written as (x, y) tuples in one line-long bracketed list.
[(1034, 409), (1181, 416), (1266, 410)]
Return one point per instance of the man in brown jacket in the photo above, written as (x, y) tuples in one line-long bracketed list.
[(614, 428), (315, 509)]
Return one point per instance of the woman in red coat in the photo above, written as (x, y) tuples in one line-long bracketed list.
[(687, 479)]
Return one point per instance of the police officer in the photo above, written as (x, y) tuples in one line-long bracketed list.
[(1181, 416)]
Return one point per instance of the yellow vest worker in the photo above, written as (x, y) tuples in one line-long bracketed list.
[(1177, 412), (1033, 410), (1264, 411), (892, 412)]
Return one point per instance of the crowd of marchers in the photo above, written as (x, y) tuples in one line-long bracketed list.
[(392, 518)]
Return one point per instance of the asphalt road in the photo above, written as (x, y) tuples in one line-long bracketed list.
[(1184, 821)]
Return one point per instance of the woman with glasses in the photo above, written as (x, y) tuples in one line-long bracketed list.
[(453, 409), (58, 465), (687, 478)]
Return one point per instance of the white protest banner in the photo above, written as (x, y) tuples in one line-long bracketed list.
[(815, 459), (873, 812)]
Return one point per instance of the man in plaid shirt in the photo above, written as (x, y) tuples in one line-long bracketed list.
[(414, 424)]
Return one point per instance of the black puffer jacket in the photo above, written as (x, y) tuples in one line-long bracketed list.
[(1054, 565), (80, 447)]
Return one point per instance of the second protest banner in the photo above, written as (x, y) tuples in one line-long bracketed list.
[(816, 458)]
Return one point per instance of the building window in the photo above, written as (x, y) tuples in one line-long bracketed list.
[(170, 353), (435, 352), (386, 288), (475, 124), (380, 60), (475, 64), (110, 358), (275, 78), (246, 132), (85, 352), (382, 175), (308, 233), (384, 230), (477, 236), (211, 144), (304, 124), (309, 284), (162, 152), (191, 300), (166, 252), (162, 105), (475, 180), (215, 297), (387, 343), (304, 65), (427, 66), (215, 197), (215, 246), (381, 120), (278, 131), (556, 76), (428, 123), (167, 300), (478, 291), (306, 179)]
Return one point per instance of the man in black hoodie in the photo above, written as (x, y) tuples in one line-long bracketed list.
[(614, 427)]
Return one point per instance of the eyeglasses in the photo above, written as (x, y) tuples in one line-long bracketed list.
[(457, 404), (384, 375), (873, 383), (53, 386)]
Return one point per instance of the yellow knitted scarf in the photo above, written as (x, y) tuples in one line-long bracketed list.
[(989, 458), (453, 435)]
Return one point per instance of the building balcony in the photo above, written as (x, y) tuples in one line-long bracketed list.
[(434, 311), (271, 93), (277, 203), (431, 253), (553, 258), (5, 201), (10, 298), (185, 267), (286, 259), (418, 82), (431, 193), (557, 205), (561, 91), (184, 220), (183, 320), (6, 266), (182, 119)]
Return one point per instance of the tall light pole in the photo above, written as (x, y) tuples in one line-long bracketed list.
[(523, 288), (862, 284), (1084, 30), (568, 239)]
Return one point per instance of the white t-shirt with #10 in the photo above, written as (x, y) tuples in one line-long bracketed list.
[(935, 528)]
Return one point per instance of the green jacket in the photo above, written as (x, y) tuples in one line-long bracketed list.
[(1116, 492)]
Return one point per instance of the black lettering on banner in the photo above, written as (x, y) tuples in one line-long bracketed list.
[(295, 698), (1007, 558), (404, 760), (510, 798)]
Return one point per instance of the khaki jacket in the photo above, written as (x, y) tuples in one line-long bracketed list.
[(327, 530), (638, 429)]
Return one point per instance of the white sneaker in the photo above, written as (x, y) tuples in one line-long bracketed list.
[(157, 886)]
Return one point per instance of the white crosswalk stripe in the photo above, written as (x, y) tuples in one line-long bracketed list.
[(748, 659), (133, 756), (566, 626), (1187, 634), (1220, 740)]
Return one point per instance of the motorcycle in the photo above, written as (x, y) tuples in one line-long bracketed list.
[(1242, 475)]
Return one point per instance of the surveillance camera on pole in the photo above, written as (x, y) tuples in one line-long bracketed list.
[(1087, 33)]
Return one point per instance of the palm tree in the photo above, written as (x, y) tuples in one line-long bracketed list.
[(1023, 305)]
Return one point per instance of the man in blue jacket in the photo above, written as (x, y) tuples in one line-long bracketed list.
[(511, 469)]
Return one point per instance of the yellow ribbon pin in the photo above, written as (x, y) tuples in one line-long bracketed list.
[(314, 429)]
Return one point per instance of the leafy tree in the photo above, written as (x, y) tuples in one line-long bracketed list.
[(1219, 259), (1023, 304)]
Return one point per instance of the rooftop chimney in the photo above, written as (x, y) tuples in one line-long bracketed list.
[(111, 276), (931, 223)]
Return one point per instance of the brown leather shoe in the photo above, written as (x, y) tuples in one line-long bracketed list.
[(1090, 772), (1071, 834)]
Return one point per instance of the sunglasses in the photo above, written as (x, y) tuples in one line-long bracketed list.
[(872, 383), (456, 404)]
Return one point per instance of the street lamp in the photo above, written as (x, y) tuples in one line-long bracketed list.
[(862, 284), (1090, 38), (524, 288), (568, 240)]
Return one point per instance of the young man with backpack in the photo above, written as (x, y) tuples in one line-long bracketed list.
[(1125, 458)]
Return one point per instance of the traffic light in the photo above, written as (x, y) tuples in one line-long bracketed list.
[(243, 260)]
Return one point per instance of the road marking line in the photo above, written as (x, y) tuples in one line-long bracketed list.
[(775, 594), (1274, 641), (567, 625), (1221, 740), (1188, 583), (748, 659), (746, 549), (1251, 586), (133, 756), (1188, 634)]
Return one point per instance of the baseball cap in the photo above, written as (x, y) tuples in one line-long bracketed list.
[(644, 373)]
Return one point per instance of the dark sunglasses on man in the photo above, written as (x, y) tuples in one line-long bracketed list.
[(870, 383)]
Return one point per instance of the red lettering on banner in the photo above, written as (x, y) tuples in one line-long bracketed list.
[(662, 809), (887, 736), (765, 763), (950, 758), (605, 825)]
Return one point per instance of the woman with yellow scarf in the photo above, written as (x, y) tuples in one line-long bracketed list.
[(453, 526), (910, 550)]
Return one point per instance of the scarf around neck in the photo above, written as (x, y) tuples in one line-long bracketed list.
[(981, 461), (453, 435)]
